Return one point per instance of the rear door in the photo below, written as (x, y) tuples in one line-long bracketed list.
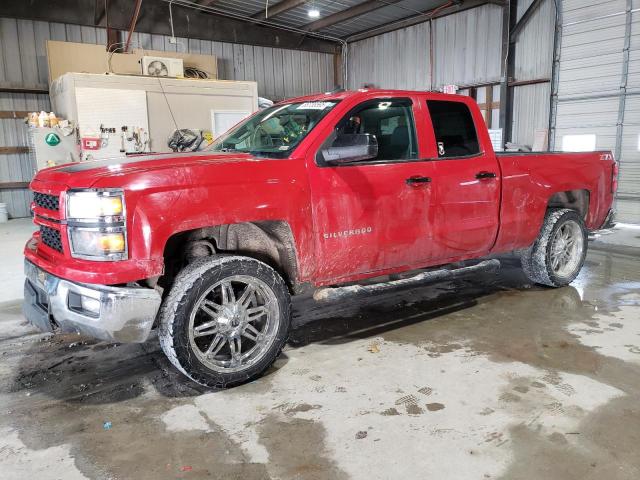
[(466, 182), (373, 215)]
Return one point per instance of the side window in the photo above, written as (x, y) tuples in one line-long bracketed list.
[(453, 128), (390, 121)]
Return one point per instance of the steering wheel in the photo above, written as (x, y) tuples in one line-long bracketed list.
[(257, 135)]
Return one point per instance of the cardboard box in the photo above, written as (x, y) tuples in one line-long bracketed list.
[(65, 57)]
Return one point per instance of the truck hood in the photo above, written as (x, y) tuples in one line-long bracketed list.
[(86, 174)]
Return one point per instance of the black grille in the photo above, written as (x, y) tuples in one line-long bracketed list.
[(42, 200), (51, 238)]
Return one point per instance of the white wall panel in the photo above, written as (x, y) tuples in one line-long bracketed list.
[(534, 49), (530, 111), (533, 61)]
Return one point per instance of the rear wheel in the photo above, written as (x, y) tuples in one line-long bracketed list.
[(558, 254), (225, 320)]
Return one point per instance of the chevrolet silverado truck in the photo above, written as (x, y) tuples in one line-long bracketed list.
[(318, 192)]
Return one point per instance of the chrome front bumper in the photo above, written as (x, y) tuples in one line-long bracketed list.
[(120, 314)]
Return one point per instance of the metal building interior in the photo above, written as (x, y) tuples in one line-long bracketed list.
[(489, 376)]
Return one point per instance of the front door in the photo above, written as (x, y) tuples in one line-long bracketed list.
[(372, 215)]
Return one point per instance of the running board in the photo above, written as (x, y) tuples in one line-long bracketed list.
[(434, 276)]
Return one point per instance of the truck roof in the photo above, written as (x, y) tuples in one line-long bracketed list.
[(366, 92)]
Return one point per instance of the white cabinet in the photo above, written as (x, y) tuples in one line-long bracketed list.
[(114, 107)]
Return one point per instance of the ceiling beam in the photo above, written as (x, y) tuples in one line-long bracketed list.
[(154, 18), (416, 19), (278, 8), (100, 11), (351, 12), (524, 20)]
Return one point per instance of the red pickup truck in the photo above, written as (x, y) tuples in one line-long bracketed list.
[(320, 191)]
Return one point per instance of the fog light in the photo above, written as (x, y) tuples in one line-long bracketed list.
[(89, 304), (83, 305)]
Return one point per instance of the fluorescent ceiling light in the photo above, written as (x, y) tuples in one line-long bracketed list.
[(313, 13)]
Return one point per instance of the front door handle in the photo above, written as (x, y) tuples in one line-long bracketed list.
[(415, 181), (483, 175)]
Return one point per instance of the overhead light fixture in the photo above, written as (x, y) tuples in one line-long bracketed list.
[(313, 12)]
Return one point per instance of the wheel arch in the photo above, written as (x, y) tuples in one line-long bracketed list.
[(577, 200), (269, 241)]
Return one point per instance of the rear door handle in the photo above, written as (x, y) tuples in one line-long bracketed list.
[(483, 175), (414, 181)]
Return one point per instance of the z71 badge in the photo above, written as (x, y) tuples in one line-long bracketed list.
[(348, 233)]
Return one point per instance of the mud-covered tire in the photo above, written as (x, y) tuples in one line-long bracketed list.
[(190, 287), (537, 260)]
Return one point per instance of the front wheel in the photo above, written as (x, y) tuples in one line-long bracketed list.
[(558, 254), (225, 320)]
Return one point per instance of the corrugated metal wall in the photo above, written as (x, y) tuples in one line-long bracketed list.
[(467, 47), (280, 74), (398, 59), (533, 61), (599, 84), (466, 52)]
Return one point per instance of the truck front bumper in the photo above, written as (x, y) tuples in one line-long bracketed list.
[(116, 314)]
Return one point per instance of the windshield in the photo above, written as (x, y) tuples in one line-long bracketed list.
[(274, 132)]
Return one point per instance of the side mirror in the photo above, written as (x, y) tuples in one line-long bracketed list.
[(352, 147)]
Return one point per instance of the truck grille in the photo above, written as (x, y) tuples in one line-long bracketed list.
[(51, 238), (43, 200)]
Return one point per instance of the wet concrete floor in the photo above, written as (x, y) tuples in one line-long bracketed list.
[(485, 378)]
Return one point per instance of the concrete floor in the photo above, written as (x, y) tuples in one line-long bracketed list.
[(478, 379)]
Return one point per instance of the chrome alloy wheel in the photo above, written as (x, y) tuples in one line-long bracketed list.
[(234, 323), (567, 246)]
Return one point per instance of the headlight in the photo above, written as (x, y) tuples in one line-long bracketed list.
[(96, 224), (92, 205)]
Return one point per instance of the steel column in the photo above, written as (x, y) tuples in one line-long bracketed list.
[(555, 75), (508, 69), (623, 82)]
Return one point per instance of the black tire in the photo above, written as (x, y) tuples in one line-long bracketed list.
[(190, 286), (537, 260)]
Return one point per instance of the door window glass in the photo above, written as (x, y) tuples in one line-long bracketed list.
[(453, 128), (389, 120)]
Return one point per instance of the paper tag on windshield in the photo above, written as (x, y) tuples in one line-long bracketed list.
[(314, 105)]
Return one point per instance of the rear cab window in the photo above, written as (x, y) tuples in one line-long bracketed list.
[(454, 130)]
